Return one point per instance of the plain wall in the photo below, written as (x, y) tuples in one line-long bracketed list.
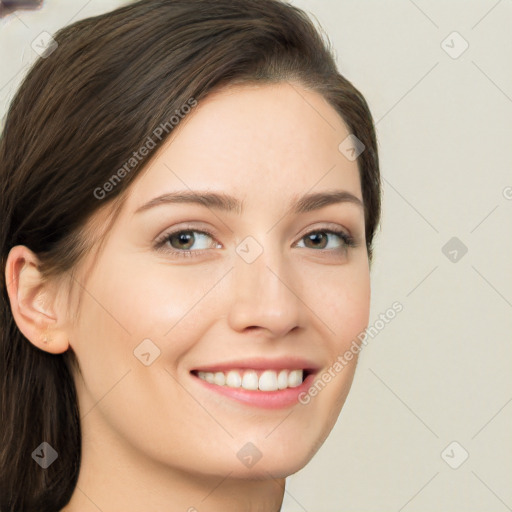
[(440, 371)]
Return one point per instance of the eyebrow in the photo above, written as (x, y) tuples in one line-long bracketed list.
[(230, 204)]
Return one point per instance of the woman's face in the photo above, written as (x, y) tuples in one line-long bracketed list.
[(272, 287)]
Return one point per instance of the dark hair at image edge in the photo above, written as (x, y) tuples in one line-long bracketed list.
[(77, 117)]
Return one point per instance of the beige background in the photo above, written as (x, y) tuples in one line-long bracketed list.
[(441, 370)]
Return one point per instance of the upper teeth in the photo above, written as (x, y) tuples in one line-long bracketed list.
[(268, 380)]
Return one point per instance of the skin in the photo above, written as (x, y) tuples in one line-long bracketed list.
[(153, 437)]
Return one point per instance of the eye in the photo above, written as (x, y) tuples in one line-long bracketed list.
[(181, 242), (186, 242), (320, 237)]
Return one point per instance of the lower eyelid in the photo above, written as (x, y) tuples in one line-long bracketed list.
[(161, 241), (346, 240)]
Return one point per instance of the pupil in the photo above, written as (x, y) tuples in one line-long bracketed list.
[(184, 238), (317, 237)]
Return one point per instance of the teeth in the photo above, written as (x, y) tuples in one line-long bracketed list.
[(282, 379), (207, 376), (250, 380), (233, 379), (219, 378), (268, 380), (295, 378)]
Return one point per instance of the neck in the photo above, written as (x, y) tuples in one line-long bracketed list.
[(115, 477)]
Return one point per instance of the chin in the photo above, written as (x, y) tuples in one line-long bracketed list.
[(281, 460), (270, 469)]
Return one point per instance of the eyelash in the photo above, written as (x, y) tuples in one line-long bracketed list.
[(348, 241)]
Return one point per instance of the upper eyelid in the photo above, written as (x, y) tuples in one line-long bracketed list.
[(173, 231), (326, 226)]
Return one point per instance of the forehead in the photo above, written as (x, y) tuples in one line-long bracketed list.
[(259, 142)]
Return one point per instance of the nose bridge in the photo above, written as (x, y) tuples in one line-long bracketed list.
[(264, 289)]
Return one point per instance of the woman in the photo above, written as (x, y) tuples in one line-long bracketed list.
[(190, 193)]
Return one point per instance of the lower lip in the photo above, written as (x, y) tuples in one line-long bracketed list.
[(265, 399)]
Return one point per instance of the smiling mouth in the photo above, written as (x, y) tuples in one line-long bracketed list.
[(255, 380)]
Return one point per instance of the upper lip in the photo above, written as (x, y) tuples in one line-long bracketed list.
[(260, 363)]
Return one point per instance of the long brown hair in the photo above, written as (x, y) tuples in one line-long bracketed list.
[(111, 82)]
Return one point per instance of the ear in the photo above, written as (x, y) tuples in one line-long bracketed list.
[(34, 303)]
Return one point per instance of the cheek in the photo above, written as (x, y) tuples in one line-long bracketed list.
[(119, 308), (343, 303), (146, 298), (137, 301)]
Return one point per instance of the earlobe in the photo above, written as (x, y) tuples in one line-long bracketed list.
[(33, 302)]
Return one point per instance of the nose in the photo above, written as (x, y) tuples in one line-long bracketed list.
[(265, 296)]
